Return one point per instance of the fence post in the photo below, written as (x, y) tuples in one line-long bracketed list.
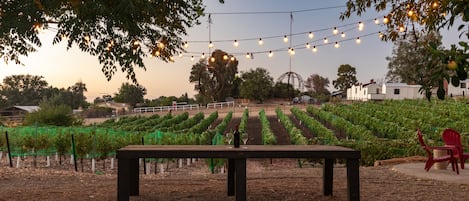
[(9, 150), (74, 154)]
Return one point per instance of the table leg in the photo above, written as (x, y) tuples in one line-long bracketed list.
[(328, 175), (353, 179), (240, 179), (134, 169), (123, 167), (231, 177)]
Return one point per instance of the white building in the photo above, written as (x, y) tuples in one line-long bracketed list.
[(373, 91), (461, 90)]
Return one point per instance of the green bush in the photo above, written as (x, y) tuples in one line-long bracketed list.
[(55, 115)]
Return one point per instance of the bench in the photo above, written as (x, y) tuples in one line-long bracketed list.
[(128, 166)]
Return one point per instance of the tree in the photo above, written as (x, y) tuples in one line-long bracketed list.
[(405, 17), (283, 90), (317, 86), (131, 94), (257, 84), (78, 99), (22, 89), (413, 62), (346, 77), (217, 78), (51, 114), (119, 33)]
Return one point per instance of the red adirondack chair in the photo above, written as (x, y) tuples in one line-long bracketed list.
[(432, 160), (452, 138)]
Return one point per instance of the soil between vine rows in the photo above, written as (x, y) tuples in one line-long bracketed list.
[(277, 179)]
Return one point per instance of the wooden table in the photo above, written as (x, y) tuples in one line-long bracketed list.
[(128, 166)]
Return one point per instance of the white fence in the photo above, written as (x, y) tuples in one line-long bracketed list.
[(167, 108), (183, 107), (220, 104)]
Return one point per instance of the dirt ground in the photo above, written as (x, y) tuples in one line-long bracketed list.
[(279, 179)]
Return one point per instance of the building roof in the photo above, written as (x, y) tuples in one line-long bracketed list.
[(402, 85), (28, 109)]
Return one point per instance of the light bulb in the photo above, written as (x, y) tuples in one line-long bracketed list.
[(401, 29), (157, 53), (271, 54), (325, 40), (260, 42), (311, 35), (376, 21), (171, 58), (385, 20), (360, 26), (87, 38), (335, 31), (232, 58), (292, 51), (285, 38), (380, 35), (186, 45), (336, 45), (315, 49), (358, 41), (210, 44), (342, 35), (180, 54), (225, 57), (212, 59), (308, 45), (410, 13), (192, 58), (435, 4), (235, 43), (203, 56), (161, 45), (248, 56)]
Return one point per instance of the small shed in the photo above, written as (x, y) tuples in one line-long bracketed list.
[(15, 115)]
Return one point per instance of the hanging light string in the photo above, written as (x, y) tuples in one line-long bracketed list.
[(277, 12)]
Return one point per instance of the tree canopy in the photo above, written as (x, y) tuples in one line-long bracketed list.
[(346, 77), (317, 85), (409, 17), (217, 78), (257, 84), (131, 94), (119, 33)]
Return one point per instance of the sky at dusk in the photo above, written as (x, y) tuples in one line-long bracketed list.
[(245, 21)]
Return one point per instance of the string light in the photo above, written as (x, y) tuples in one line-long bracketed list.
[(376, 21), (212, 59), (171, 58), (360, 26), (180, 54), (157, 53), (248, 56), (311, 35), (161, 45), (315, 49), (336, 45), (308, 45), (87, 38), (192, 58), (342, 35), (326, 41), (335, 31), (260, 42), (203, 56), (380, 35), (236, 43), (186, 45), (271, 54), (401, 28), (285, 39), (385, 20), (225, 57), (210, 44), (37, 28), (292, 51), (435, 4), (358, 41), (232, 58)]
